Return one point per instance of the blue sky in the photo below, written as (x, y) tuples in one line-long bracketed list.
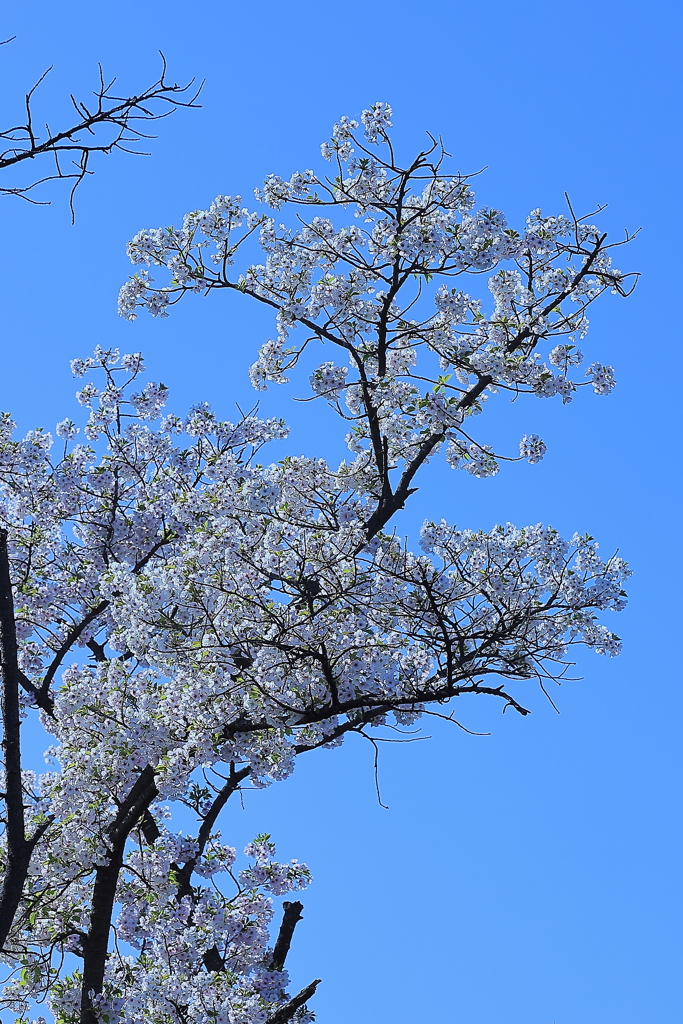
[(532, 876)]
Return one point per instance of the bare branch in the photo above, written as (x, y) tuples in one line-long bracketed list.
[(112, 122)]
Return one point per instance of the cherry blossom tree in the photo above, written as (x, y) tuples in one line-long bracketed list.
[(186, 619)]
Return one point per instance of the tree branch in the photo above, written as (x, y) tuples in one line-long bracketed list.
[(123, 115), (290, 918), (287, 1011), (96, 942), (18, 849), (42, 696), (213, 961)]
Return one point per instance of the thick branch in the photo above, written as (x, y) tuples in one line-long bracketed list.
[(290, 918), (96, 942), (18, 849), (287, 1011)]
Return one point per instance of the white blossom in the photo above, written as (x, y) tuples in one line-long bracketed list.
[(532, 448)]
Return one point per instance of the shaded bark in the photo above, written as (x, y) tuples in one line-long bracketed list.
[(213, 961), (18, 847), (96, 942), (290, 918), (287, 1011)]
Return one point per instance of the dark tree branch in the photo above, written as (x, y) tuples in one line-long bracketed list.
[(70, 639), (42, 699), (290, 918), (18, 849), (213, 961), (122, 118), (392, 502), (149, 827), (210, 818), (42, 696), (287, 1011), (96, 942)]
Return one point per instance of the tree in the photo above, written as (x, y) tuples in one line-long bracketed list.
[(237, 615), (103, 125)]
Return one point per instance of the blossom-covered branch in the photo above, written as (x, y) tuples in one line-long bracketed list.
[(419, 355)]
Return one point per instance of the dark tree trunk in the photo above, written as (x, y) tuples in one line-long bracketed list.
[(18, 848)]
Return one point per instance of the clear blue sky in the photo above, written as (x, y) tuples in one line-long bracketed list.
[(531, 877)]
